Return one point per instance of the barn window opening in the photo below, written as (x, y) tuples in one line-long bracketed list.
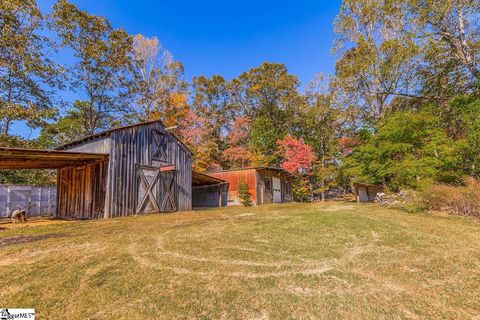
[(161, 146)]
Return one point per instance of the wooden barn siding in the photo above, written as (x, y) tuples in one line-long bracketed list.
[(81, 191), (287, 195), (233, 178), (134, 145)]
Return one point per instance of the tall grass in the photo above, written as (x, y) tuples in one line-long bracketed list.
[(464, 200)]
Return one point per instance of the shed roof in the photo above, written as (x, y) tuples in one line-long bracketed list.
[(363, 184), (281, 170), (18, 158), (200, 179), (107, 132)]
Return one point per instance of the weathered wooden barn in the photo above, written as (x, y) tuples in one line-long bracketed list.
[(130, 170), (148, 170), (265, 184)]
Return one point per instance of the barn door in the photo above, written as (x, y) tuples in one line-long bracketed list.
[(147, 190), (156, 189), (168, 191)]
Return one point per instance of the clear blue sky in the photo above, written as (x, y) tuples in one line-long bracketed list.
[(228, 37)]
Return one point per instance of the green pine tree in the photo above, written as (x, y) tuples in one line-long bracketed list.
[(244, 194)]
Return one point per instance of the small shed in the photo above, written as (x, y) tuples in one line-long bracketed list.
[(365, 192), (265, 184)]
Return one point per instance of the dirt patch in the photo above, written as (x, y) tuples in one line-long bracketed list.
[(10, 241), (6, 223)]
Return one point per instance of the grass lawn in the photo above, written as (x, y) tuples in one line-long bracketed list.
[(333, 260)]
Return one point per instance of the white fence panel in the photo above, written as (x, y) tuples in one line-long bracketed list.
[(38, 201)]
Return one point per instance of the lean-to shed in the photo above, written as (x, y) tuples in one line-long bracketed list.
[(83, 188), (208, 191)]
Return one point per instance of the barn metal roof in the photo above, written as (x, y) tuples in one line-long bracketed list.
[(18, 158), (200, 179), (107, 132)]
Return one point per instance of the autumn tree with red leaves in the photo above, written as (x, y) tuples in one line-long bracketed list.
[(238, 153), (298, 159), (298, 156)]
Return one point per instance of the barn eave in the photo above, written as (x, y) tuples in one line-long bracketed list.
[(20, 158)]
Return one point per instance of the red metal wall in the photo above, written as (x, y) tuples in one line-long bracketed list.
[(233, 178)]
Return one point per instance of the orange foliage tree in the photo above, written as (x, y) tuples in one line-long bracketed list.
[(238, 153)]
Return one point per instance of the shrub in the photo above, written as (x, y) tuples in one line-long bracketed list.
[(464, 200), (414, 206), (243, 193), (301, 189)]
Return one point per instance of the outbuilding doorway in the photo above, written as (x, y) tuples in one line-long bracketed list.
[(276, 190)]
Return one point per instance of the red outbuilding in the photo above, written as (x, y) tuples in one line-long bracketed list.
[(265, 184)]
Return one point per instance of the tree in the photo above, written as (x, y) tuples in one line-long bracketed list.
[(155, 82), (321, 124), (102, 60), (461, 123), (195, 132), (210, 100), (298, 159), (297, 156), (393, 51), (238, 153), (377, 58), (448, 34), (408, 150), (28, 177), (69, 127), (269, 96), (243, 193), (27, 74)]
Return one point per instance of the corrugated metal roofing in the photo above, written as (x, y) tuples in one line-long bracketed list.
[(200, 179), (255, 168)]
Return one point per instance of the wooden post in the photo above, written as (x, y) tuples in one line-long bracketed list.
[(220, 195), (57, 198), (39, 200), (49, 203), (108, 176), (8, 202)]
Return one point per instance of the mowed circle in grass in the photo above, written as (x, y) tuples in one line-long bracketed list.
[(249, 245)]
